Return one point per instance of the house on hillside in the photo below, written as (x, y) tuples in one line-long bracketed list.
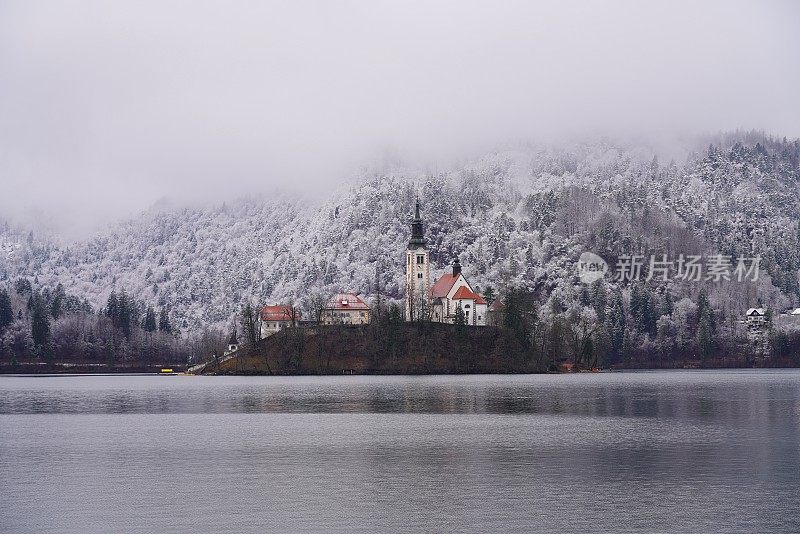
[(277, 317), (789, 319), (345, 308), (755, 316), (758, 329)]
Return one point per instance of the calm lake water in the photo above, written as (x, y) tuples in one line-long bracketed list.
[(688, 451)]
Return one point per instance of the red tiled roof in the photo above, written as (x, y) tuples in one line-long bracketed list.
[(464, 293), (497, 305), (278, 312), (346, 301), (443, 285)]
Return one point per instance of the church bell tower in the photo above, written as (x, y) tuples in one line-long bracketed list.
[(418, 271)]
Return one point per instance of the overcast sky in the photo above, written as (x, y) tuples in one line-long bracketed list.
[(105, 107)]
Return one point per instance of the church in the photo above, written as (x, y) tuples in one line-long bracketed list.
[(438, 302)]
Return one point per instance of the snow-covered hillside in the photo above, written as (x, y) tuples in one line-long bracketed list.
[(519, 216)]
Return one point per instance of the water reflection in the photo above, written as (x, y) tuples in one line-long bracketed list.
[(727, 395), (628, 452)]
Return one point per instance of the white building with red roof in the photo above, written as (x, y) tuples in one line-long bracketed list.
[(451, 291), (276, 317), (345, 308)]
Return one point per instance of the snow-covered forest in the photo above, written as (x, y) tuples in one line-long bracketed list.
[(515, 218)]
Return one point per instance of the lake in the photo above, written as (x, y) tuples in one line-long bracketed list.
[(667, 451)]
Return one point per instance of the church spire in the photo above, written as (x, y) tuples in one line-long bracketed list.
[(417, 232)]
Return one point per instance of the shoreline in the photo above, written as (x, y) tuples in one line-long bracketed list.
[(84, 368), (94, 369)]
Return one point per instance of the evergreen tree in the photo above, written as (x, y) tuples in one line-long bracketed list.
[(489, 295), (163, 322), (650, 315), (627, 343), (706, 325), (616, 323), (637, 304), (519, 316), (599, 298), (643, 308), (584, 296), (667, 304), (395, 314), (769, 315), (149, 322), (6, 312), (391, 332), (22, 286), (57, 303), (40, 324), (513, 265), (529, 259), (125, 313), (112, 308), (460, 318), (247, 319)]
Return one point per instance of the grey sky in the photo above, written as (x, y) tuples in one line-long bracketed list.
[(106, 107)]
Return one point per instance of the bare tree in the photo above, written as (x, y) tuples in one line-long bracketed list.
[(316, 303)]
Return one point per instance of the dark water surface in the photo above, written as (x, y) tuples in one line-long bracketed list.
[(614, 452)]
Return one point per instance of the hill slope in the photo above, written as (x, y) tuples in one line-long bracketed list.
[(519, 216)]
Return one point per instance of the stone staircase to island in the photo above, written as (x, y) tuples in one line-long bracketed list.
[(200, 367)]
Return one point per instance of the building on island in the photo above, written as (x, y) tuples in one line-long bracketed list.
[(345, 308), (452, 291), (418, 271), (440, 302), (233, 344), (277, 317)]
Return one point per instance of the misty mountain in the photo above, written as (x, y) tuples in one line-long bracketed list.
[(518, 217)]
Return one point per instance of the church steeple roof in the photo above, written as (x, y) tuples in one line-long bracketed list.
[(417, 232)]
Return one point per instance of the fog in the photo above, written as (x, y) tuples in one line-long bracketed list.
[(107, 107)]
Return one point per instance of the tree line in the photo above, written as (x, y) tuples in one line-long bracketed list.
[(599, 325), (42, 324), (641, 325)]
